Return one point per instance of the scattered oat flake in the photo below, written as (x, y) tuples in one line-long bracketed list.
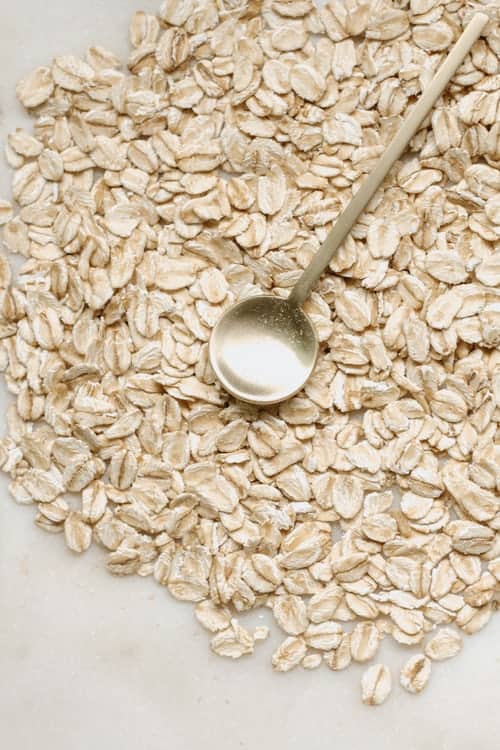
[(376, 684), (445, 644), (289, 654), (6, 212), (233, 642), (416, 673)]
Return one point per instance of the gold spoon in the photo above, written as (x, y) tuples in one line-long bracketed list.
[(264, 348)]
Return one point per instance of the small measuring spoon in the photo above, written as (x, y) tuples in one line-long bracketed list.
[(264, 348)]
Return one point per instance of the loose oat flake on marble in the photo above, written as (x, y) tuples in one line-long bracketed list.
[(152, 194)]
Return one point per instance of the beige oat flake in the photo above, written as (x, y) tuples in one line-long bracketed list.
[(376, 685), (445, 644), (416, 673)]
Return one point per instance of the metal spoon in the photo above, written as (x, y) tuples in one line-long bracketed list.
[(264, 348)]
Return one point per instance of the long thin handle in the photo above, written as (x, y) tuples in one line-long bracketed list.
[(409, 127)]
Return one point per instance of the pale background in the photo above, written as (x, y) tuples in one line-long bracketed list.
[(89, 660)]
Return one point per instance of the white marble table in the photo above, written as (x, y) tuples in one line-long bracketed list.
[(92, 661)]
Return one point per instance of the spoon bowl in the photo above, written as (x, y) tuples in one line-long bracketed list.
[(263, 349)]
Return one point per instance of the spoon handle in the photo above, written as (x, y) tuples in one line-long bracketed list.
[(408, 128)]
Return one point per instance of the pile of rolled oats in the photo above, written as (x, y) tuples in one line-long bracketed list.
[(150, 199)]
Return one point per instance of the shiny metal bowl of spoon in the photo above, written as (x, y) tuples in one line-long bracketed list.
[(264, 348)]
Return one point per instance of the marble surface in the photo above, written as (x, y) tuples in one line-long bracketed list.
[(88, 660)]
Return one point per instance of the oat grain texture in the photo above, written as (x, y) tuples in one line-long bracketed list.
[(152, 194)]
